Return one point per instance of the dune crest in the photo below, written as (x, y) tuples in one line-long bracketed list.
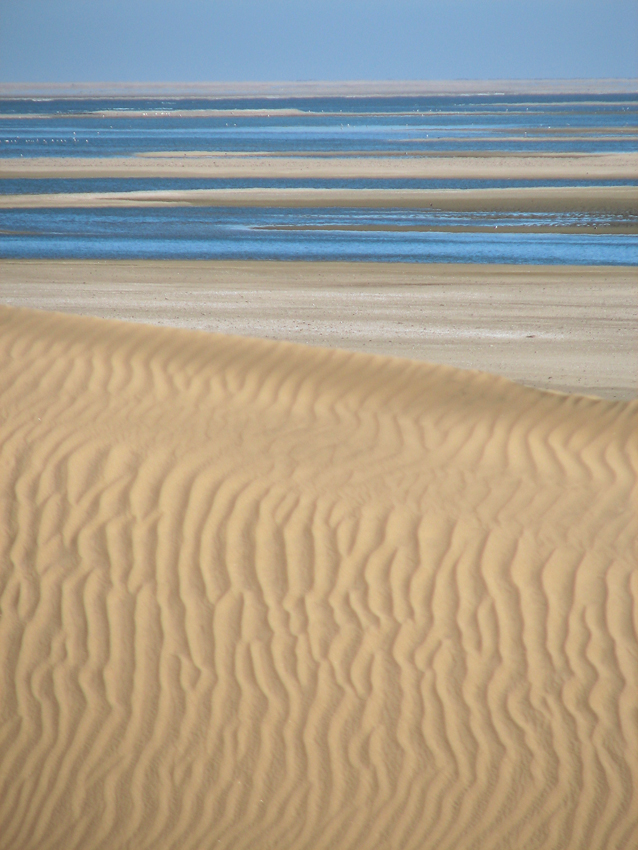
[(258, 595)]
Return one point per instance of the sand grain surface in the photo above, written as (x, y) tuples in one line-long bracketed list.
[(260, 595), (490, 165), (568, 328)]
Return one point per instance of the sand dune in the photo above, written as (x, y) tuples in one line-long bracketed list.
[(569, 328), (259, 595)]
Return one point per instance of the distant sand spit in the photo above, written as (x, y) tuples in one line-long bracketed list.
[(487, 165), (619, 200), (260, 595), (326, 88)]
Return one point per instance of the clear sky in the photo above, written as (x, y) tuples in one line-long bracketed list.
[(235, 40)]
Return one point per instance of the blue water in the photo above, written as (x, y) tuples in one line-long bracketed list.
[(385, 247), (15, 186), (253, 233), (331, 126)]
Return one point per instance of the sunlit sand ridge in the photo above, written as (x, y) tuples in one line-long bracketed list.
[(257, 595)]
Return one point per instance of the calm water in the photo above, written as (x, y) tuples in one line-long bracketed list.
[(105, 127), (118, 127), (15, 186), (236, 233)]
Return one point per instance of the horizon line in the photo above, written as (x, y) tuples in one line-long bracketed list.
[(291, 88)]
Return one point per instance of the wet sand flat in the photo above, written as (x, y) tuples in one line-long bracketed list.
[(620, 200), (556, 327), (262, 595)]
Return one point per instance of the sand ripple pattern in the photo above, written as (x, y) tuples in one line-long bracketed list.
[(257, 595)]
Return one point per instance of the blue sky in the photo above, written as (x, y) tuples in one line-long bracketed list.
[(199, 40)]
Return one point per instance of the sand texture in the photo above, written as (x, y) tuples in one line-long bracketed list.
[(569, 328), (488, 165), (260, 595)]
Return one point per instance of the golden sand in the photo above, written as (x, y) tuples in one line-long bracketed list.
[(260, 595)]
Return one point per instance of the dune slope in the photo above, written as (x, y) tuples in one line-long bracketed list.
[(258, 595)]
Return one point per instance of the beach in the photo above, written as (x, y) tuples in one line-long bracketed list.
[(319, 467), (554, 327)]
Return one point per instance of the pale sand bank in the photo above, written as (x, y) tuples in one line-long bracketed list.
[(557, 327), (491, 165), (621, 200), (259, 595)]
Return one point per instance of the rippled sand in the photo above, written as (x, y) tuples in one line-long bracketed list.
[(260, 595), (568, 328)]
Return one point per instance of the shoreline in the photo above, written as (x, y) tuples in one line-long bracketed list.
[(567, 328)]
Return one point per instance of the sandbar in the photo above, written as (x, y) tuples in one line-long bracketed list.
[(621, 200), (489, 165)]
